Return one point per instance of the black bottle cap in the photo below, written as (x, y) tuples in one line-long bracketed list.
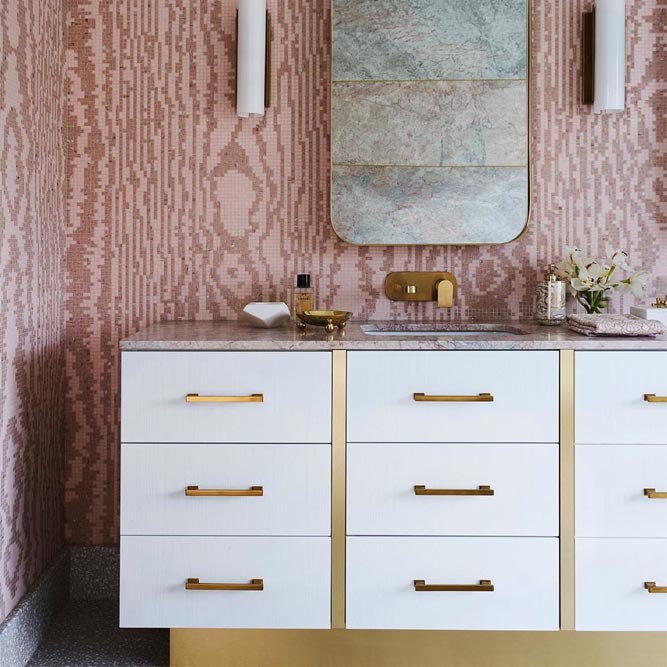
[(303, 280)]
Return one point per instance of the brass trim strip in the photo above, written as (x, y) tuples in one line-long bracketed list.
[(196, 491), (567, 544), (192, 584), (376, 165), (431, 398), (338, 486), (484, 586), (491, 80), (652, 398), (481, 491), (652, 493), (252, 398), (651, 587)]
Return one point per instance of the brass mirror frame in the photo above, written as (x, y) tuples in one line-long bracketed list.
[(529, 152)]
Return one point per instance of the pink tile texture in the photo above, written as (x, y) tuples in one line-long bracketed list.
[(32, 323), (178, 209)]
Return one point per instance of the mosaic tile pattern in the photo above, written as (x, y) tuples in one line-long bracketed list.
[(177, 209), (430, 123), (411, 205), (32, 328), (429, 39)]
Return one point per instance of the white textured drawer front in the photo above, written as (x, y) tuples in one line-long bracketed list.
[(382, 405), (611, 501), (295, 574), (296, 390), (295, 483), (611, 576), (382, 499), (381, 572), (610, 398)]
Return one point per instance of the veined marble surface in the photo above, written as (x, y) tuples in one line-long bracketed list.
[(429, 123), (429, 39), (397, 206), (223, 335)]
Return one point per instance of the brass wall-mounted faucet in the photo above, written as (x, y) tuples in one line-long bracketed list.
[(439, 286)]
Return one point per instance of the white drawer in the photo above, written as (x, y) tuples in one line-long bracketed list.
[(610, 491), (295, 481), (295, 572), (611, 574), (610, 404), (382, 499), (296, 388), (381, 572), (382, 406)]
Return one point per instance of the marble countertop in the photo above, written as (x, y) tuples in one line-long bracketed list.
[(228, 335)]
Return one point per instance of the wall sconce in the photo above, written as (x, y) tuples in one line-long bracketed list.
[(603, 50), (253, 58)]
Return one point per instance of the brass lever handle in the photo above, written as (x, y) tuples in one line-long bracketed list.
[(428, 398), (481, 491), (252, 398), (652, 588), (652, 398), (652, 493), (484, 586), (252, 491), (194, 585)]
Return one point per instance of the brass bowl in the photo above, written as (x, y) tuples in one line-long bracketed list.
[(329, 319)]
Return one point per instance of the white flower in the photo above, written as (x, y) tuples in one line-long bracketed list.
[(586, 274), (634, 283)]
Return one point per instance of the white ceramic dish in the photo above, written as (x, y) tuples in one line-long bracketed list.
[(265, 315)]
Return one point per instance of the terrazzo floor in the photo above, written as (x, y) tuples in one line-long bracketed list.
[(86, 634)]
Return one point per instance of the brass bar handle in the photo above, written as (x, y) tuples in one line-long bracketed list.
[(194, 585), (652, 493), (252, 491), (252, 398), (421, 490), (428, 398), (652, 398), (484, 586), (652, 588)]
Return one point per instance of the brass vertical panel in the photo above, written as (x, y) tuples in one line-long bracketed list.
[(567, 553), (338, 487)]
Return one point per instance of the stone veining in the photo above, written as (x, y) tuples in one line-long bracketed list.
[(429, 39), (446, 123), (426, 205)]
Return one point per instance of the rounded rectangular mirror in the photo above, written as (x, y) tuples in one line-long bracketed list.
[(430, 121)]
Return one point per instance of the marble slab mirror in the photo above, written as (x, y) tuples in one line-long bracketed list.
[(430, 121)]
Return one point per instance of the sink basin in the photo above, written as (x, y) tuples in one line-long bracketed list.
[(450, 329)]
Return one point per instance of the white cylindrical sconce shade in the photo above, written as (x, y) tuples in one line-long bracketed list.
[(609, 55), (251, 64)]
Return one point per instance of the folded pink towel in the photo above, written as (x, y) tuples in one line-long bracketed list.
[(614, 325)]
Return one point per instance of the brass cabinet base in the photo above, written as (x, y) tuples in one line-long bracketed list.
[(409, 648)]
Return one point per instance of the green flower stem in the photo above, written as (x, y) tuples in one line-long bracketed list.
[(593, 302)]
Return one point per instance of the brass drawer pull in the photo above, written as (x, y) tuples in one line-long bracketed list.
[(484, 586), (481, 491), (652, 588), (428, 398), (252, 491), (652, 493), (252, 398), (652, 398), (254, 585)]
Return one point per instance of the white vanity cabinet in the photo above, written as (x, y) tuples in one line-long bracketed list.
[(621, 490), (226, 489), (452, 490)]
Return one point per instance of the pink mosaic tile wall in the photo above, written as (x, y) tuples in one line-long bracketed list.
[(177, 209), (32, 323)]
